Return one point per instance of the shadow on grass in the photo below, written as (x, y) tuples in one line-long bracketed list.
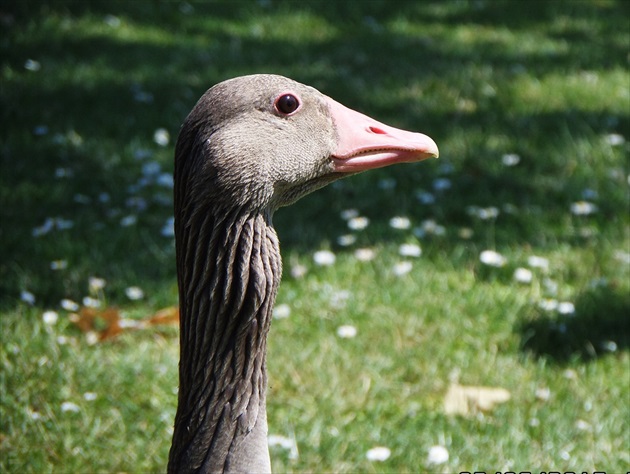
[(91, 78), (600, 326)]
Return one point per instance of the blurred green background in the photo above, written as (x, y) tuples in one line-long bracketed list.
[(529, 103)]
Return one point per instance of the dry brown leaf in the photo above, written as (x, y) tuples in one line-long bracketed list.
[(108, 324), (103, 322), (464, 400), (168, 315)]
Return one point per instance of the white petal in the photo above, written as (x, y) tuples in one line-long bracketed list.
[(69, 305), (324, 257), (538, 262), (488, 213), (279, 440), (50, 317), (348, 214), (90, 302), (284, 443), (134, 293), (281, 311), (27, 297), (610, 346), (583, 208), (364, 255), (437, 455), (91, 338), (64, 224), (346, 240), (402, 268), (510, 159), (95, 284), (615, 139), (442, 184), (566, 307), (543, 393), (548, 304), (168, 229), (346, 331), (492, 258), (32, 65), (59, 264), (387, 183), (400, 222), (410, 250), (298, 271), (129, 220), (69, 407), (379, 453), (161, 137), (523, 275), (425, 197), (622, 256), (358, 223)]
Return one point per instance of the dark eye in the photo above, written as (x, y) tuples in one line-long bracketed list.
[(287, 104)]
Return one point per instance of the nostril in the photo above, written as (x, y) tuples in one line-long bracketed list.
[(377, 130)]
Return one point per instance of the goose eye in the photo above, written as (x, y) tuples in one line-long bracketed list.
[(287, 104)]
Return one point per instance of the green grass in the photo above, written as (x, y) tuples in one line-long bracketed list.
[(484, 79)]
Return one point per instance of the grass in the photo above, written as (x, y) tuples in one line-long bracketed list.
[(85, 86)]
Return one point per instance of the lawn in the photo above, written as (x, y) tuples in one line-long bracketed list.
[(505, 264)]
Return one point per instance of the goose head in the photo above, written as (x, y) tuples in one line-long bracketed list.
[(261, 142)]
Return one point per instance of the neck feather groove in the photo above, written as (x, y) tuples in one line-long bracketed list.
[(228, 269)]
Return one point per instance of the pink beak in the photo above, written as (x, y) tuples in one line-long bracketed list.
[(366, 144)]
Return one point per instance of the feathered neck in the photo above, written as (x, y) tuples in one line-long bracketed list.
[(228, 269)]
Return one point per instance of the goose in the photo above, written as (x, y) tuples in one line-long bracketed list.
[(251, 145)]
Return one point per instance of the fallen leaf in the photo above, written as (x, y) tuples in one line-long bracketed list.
[(103, 322), (107, 323), (464, 400), (168, 315)]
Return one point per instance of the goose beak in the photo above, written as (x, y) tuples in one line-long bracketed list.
[(364, 143)]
